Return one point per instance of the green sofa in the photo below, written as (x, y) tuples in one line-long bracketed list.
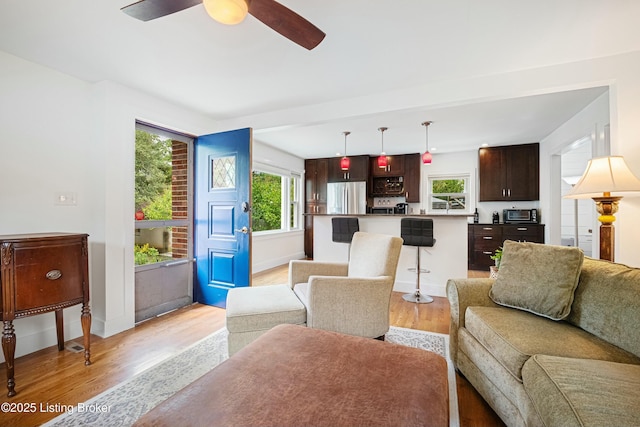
[(581, 370)]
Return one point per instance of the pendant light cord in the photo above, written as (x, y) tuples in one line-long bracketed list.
[(382, 136), (426, 125), (345, 142)]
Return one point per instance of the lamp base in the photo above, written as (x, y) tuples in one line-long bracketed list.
[(607, 206)]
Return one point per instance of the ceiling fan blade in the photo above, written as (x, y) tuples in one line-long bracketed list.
[(146, 10), (286, 22)]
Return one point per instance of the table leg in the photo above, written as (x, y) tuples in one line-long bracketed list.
[(85, 319), (9, 350), (60, 329)]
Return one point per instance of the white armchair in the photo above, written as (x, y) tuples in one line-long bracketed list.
[(351, 298)]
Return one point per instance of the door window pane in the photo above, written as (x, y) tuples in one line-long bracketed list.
[(224, 172)]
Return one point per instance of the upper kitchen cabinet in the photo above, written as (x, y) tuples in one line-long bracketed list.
[(358, 170), (316, 177), (395, 166), (509, 173), (412, 166)]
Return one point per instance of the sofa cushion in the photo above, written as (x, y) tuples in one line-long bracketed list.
[(607, 303), (580, 392), (538, 278), (513, 336)]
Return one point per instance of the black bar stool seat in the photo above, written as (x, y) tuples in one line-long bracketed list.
[(417, 232), (343, 229)]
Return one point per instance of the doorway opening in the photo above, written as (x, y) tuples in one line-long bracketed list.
[(577, 215), (163, 233)]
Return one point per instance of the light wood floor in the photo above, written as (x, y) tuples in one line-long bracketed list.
[(48, 377)]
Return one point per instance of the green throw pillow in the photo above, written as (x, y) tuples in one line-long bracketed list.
[(538, 278)]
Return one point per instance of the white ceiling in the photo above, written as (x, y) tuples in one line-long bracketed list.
[(371, 47)]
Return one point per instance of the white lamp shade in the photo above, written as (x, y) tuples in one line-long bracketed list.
[(606, 174)]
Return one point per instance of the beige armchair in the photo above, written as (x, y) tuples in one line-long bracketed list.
[(351, 298)]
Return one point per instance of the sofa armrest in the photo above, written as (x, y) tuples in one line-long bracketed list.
[(301, 270), (349, 305), (463, 293)]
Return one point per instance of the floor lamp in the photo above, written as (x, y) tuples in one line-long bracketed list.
[(606, 180)]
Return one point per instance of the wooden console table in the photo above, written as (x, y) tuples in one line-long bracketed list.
[(41, 273)]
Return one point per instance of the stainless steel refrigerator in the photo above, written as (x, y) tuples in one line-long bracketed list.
[(347, 198)]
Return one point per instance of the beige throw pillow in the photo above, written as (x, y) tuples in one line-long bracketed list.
[(538, 278)]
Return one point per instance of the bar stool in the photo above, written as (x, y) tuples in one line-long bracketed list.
[(343, 229), (419, 233)]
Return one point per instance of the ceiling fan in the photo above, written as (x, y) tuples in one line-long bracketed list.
[(271, 13)]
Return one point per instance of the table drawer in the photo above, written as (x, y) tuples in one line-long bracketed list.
[(47, 275)]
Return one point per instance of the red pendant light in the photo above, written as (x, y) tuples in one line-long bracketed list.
[(382, 159), (427, 157), (345, 162)]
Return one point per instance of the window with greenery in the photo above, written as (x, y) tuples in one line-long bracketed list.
[(161, 197), (276, 201), (448, 193)]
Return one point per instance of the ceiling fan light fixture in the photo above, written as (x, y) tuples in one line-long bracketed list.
[(427, 158), (229, 12), (382, 159)]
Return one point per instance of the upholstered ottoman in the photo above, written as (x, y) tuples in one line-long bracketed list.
[(253, 311), (295, 376)]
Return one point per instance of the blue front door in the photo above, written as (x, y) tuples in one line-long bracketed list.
[(223, 214)]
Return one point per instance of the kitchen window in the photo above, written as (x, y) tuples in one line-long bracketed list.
[(448, 194)]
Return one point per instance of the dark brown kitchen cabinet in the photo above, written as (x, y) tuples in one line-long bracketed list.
[(484, 239), (358, 170), (412, 165), (316, 176), (308, 236), (509, 173), (395, 166)]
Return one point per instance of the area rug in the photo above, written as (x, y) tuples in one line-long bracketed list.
[(123, 404)]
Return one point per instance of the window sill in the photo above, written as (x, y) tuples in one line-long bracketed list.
[(275, 234)]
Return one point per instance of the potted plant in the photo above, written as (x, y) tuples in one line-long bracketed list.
[(497, 257)]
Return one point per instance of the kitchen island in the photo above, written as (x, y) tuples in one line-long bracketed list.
[(445, 260)]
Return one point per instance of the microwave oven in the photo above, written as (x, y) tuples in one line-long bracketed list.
[(520, 216)]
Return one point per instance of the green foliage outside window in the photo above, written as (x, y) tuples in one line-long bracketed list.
[(448, 186), (145, 254), (153, 175), (267, 201)]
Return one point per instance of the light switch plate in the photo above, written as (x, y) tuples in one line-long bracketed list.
[(65, 198)]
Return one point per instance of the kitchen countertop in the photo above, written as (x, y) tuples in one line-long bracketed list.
[(426, 215)]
